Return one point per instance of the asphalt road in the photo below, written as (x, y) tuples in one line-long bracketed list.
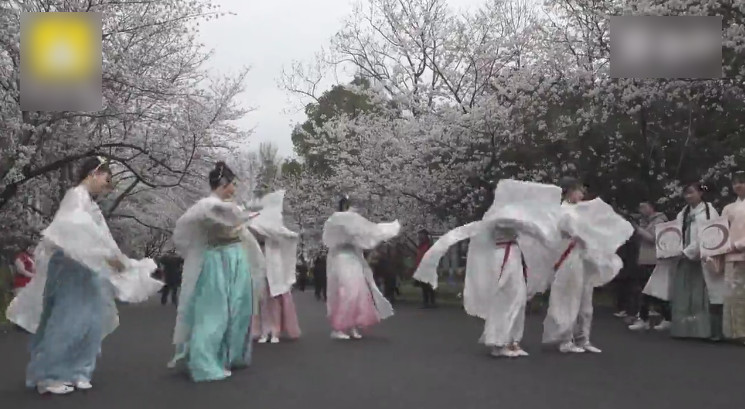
[(416, 359)]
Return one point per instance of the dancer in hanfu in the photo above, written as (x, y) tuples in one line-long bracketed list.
[(276, 315), (516, 234), (69, 304), (222, 278), (354, 301), (587, 258)]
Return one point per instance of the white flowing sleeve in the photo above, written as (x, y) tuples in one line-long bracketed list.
[(79, 230), (603, 231), (348, 228), (480, 279), (190, 240), (426, 272), (568, 224), (280, 250), (76, 232), (135, 283), (257, 264), (604, 269), (538, 225)]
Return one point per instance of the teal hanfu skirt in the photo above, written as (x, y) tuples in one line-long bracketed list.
[(220, 314)]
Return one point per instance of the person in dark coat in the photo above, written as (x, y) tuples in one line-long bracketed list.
[(172, 266), (385, 271), (627, 304), (302, 274), (428, 293), (319, 277)]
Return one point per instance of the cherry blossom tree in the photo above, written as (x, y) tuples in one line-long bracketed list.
[(514, 91)]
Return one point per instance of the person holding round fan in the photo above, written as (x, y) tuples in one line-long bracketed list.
[(734, 264), (696, 292)]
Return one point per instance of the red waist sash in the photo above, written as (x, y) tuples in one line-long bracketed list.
[(507, 251), (565, 254)]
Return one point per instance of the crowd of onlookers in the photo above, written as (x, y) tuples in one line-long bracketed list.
[(695, 295)]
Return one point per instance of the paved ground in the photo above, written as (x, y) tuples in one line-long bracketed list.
[(417, 359)]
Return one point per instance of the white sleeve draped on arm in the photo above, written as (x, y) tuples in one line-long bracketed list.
[(426, 272), (529, 209), (80, 231), (603, 231), (348, 228), (280, 247)]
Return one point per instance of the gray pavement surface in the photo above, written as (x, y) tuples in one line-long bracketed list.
[(417, 359)]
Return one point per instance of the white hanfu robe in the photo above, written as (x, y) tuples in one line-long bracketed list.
[(69, 304), (587, 259), (277, 314), (354, 301), (520, 227), (192, 240)]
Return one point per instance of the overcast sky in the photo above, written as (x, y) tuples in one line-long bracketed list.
[(268, 35)]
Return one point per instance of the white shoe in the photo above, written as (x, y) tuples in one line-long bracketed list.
[(339, 335), (356, 334), (228, 373), (503, 352), (520, 352), (569, 347), (55, 389), (663, 326), (275, 340), (639, 325), (591, 348), (621, 314), (83, 385), (263, 339)]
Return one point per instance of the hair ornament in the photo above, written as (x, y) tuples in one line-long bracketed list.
[(101, 161)]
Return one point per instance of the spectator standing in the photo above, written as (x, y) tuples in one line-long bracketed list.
[(319, 276), (647, 261), (24, 269), (172, 267)]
